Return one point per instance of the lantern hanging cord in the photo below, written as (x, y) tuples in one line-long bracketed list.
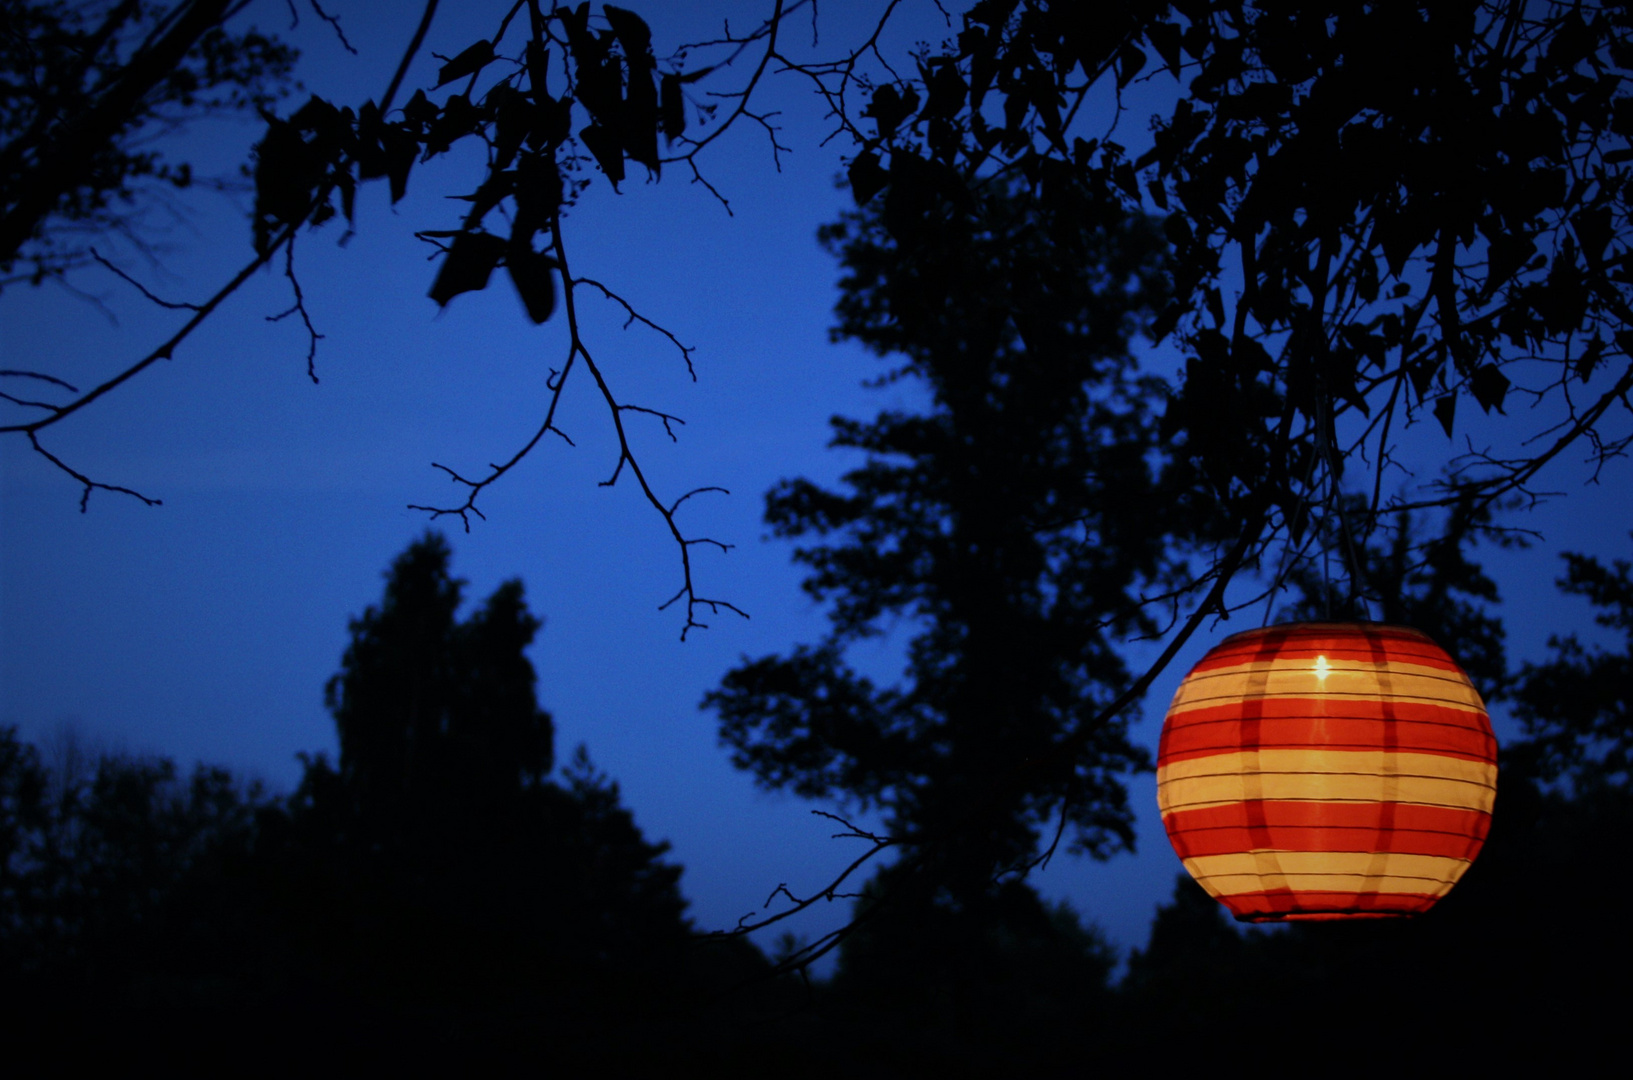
[(1327, 435), (1287, 549), (1326, 582)]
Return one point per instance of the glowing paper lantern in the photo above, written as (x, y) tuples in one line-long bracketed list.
[(1326, 771)]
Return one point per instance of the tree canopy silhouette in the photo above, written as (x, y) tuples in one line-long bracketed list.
[(1011, 526), (437, 716), (1347, 194), (442, 793), (1515, 948), (1379, 211), (114, 868), (1577, 707), (442, 885)]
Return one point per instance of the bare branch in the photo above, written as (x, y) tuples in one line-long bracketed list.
[(299, 308), (695, 491), (768, 32), (626, 456), (1514, 474), (85, 481), (408, 55), (332, 20), (636, 317), (475, 487), (699, 178), (666, 418), (152, 57), (830, 892), (578, 352), (171, 304), (13, 374), (165, 350), (27, 402)]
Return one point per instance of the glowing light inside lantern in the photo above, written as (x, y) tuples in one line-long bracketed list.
[(1322, 667)]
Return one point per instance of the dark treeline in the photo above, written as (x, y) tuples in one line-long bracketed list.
[(443, 896)]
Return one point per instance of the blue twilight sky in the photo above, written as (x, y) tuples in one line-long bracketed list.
[(205, 628)]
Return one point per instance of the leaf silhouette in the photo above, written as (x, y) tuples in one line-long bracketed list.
[(631, 31), (890, 107), (532, 274), (608, 150), (468, 265), (867, 176), (469, 62), (1489, 386), (672, 107), (1445, 410)]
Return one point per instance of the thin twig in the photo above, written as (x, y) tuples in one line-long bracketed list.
[(86, 481), (173, 305), (633, 316), (334, 22), (299, 308), (14, 374)]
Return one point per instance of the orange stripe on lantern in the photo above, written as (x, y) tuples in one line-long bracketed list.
[(1241, 871), (1341, 776), (1340, 686), (1326, 770)]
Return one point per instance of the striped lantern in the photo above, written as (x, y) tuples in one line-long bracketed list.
[(1326, 771)]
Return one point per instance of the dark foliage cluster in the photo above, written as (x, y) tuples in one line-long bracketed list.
[(1423, 578), (532, 155), (442, 793), (533, 165), (1507, 969), (1421, 203), (995, 522), (1578, 706), (1376, 211), (150, 922), (85, 89), (96, 848)]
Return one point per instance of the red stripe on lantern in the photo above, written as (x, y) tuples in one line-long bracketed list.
[(1364, 801), (1394, 648), (1286, 723), (1313, 905), (1322, 826)]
